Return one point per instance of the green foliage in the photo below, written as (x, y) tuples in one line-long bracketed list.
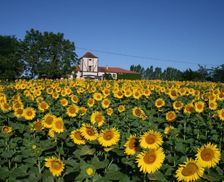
[(48, 54), (11, 65), (126, 76), (107, 76)]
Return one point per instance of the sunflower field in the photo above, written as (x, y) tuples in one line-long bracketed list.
[(87, 130)]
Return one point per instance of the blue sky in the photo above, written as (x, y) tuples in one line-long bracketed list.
[(176, 33)]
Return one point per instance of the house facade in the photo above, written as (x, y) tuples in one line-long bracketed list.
[(89, 68)]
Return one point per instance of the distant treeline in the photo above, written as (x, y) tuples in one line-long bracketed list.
[(215, 74)]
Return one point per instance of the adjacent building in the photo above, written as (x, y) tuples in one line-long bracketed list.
[(89, 68)]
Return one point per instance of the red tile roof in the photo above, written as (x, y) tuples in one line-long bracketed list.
[(89, 55), (111, 70), (115, 70)]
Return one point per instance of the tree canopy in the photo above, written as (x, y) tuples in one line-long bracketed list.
[(48, 54), (11, 65)]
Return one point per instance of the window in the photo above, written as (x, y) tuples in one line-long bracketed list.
[(90, 68)]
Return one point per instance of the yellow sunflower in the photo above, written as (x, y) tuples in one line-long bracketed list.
[(64, 102), (29, 113), (88, 132), (72, 110), (37, 126), (82, 110), (168, 129), (178, 105), (55, 165), (173, 93), (188, 108), (89, 171), (221, 114), (43, 106), (19, 112), (6, 129), (171, 116), (74, 99), (97, 118), (137, 112), (5, 107), (58, 125), (90, 102), (121, 108), (105, 103), (109, 111), (159, 103), (189, 171), (131, 145), (77, 137), (151, 140), (128, 93), (212, 104), (199, 106), (150, 161), (109, 137), (208, 155), (98, 96), (48, 120), (137, 94)]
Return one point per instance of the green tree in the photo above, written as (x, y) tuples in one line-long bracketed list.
[(171, 74), (218, 73), (11, 65), (48, 54), (139, 69)]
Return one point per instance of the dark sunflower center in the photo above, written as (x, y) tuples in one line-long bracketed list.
[(19, 111), (207, 154), (98, 118), (78, 135), (138, 112), (132, 144), (49, 120), (190, 169), (43, 106), (29, 113), (72, 110), (58, 125), (149, 157), (150, 139), (90, 131), (38, 126), (56, 165), (108, 135), (159, 103)]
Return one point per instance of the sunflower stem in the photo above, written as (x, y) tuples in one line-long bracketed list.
[(38, 164), (185, 123)]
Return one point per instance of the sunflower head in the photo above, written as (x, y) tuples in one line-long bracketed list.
[(199, 106), (208, 155), (109, 137), (150, 161), (97, 118), (151, 140), (29, 113), (72, 110), (77, 137), (88, 132), (221, 114), (159, 103), (189, 171), (131, 145), (171, 116), (6, 129), (55, 165)]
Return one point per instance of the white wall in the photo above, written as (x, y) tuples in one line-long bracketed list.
[(89, 64)]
